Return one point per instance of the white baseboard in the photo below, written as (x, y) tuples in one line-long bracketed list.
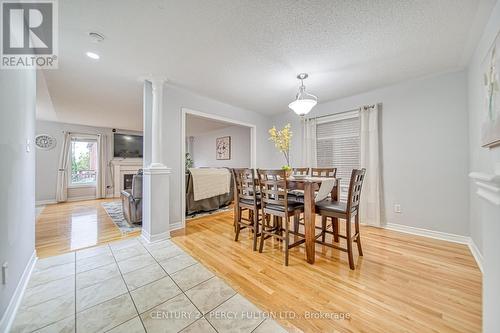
[(15, 301), (441, 236), (428, 233), (45, 202), (148, 238), (476, 254), (83, 198), (176, 226)]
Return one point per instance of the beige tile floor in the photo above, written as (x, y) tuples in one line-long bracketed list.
[(130, 287)]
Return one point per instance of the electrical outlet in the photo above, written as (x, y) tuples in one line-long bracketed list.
[(28, 148), (397, 208)]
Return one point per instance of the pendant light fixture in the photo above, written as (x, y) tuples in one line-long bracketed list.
[(304, 102)]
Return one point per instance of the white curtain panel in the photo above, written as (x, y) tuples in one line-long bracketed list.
[(370, 159), (309, 158), (62, 172), (100, 190)]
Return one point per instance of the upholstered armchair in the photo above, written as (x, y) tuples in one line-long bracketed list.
[(132, 200)]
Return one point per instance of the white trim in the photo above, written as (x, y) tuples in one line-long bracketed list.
[(441, 236), (488, 186), (428, 233), (149, 239), (82, 198), (83, 185), (176, 226), (253, 153), (476, 254), (337, 117), (15, 301), (157, 170), (45, 202)]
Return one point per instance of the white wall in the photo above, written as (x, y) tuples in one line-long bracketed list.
[(484, 219), (17, 178), (424, 142), (47, 161), (203, 149), (177, 98)]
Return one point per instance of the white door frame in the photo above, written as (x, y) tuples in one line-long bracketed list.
[(186, 111)]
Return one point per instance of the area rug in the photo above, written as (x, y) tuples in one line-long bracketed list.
[(114, 210)]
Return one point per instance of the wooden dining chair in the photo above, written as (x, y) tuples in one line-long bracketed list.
[(335, 210), (324, 172), (275, 203), (246, 198), (301, 171)]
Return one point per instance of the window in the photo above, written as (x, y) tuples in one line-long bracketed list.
[(337, 144), (83, 157)]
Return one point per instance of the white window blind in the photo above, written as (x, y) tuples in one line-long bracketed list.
[(338, 146)]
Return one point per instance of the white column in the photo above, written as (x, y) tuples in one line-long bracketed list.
[(157, 86), (156, 186)]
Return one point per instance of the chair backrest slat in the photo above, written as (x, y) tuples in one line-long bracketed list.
[(355, 186), (273, 187), (324, 172), (244, 185), (301, 171)]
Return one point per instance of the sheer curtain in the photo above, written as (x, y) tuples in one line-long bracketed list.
[(370, 212), (309, 158), (62, 172), (100, 190)]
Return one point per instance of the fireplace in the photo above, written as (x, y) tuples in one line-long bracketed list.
[(123, 172), (127, 181)]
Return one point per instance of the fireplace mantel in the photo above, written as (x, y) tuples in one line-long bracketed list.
[(123, 167)]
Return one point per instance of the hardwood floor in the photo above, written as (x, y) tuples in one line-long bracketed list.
[(403, 283), (70, 226)]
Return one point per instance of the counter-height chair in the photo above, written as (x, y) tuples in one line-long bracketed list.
[(275, 203), (324, 172), (329, 208), (246, 198), (301, 171), (298, 195)]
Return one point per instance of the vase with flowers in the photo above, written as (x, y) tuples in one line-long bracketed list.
[(282, 139)]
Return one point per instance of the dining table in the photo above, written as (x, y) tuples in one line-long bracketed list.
[(310, 185)]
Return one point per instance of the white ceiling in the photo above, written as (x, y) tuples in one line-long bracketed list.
[(196, 125), (247, 53)]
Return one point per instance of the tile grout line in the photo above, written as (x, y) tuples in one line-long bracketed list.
[(128, 291), (182, 291), (236, 293)]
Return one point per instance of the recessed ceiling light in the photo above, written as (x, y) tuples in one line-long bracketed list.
[(92, 55)]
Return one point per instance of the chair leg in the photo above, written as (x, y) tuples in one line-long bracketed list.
[(237, 225), (296, 218), (323, 228), (255, 215), (265, 222), (349, 242), (250, 215), (287, 240), (358, 240), (335, 225)]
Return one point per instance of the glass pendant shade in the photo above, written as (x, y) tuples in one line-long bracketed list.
[(304, 102), (302, 106)]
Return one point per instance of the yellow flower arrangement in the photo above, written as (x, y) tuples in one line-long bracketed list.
[(282, 139)]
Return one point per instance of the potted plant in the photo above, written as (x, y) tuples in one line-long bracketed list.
[(282, 139)]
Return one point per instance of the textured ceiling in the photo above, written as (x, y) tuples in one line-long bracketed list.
[(247, 53)]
